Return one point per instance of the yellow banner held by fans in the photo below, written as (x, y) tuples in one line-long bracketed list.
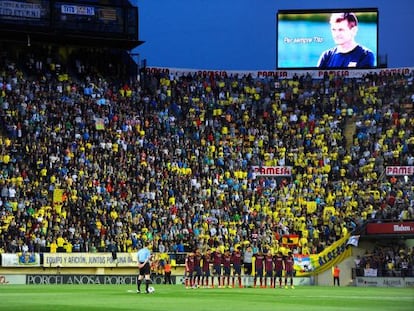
[(311, 207), (334, 253), (58, 196)]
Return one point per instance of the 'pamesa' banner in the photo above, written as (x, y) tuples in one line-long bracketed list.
[(283, 74)]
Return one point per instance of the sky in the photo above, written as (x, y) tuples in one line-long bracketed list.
[(241, 34)]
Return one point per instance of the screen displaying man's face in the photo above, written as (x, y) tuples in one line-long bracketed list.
[(303, 36), (341, 33)]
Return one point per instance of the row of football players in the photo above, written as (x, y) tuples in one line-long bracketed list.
[(227, 268)]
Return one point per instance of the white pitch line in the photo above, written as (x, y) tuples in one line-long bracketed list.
[(351, 297), (131, 291)]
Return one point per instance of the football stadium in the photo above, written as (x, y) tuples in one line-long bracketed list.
[(127, 184)]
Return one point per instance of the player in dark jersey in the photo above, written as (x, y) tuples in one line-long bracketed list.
[(189, 270), (347, 53), (278, 267), (288, 265), (268, 264), (197, 268), (217, 261), (258, 265), (206, 268), (226, 268), (236, 260)]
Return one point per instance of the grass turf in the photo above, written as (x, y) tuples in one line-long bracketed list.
[(177, 298)]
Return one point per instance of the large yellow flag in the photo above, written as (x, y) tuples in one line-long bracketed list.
[(58, 196), (310, 207)]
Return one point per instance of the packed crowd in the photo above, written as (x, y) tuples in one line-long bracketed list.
[(89, 164), (387, 259)]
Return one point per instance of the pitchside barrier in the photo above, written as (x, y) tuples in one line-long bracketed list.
[(304, 265), (102, 268), (117, 279), (247, 281)]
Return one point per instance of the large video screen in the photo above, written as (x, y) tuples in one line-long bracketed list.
[(345, 38)]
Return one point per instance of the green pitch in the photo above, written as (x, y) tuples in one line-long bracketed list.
[(177, 298)]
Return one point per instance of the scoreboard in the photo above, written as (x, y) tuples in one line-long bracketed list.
[(73, 20), (34, 13)]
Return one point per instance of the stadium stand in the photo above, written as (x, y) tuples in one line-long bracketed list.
[(91, 163)]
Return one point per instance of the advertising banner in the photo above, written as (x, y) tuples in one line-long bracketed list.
[(384, 282), (283, 74), (406, 227), (78, 279), (21, 9), (25, 12), (272, 170), (370, 272), (89, 259), (20, 260), (399, 170), (12, 279)]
